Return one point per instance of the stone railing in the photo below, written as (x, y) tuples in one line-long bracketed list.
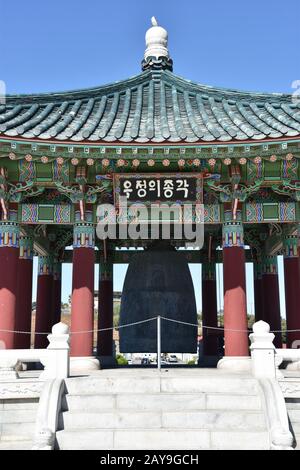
[(265, 362), (265, 358), (48, 412), (55, 358)]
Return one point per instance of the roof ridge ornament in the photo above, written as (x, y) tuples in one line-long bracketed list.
[(156, 55), (154, 21)]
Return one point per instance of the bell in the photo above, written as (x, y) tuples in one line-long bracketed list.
[(158, 282)]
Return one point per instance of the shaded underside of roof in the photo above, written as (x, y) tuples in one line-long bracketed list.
[(153, 107)]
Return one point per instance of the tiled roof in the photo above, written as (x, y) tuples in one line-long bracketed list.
[(151, 107)]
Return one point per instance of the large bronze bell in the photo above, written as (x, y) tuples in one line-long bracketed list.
[(158, 282)]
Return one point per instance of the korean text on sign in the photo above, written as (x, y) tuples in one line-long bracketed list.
[(158, 188)]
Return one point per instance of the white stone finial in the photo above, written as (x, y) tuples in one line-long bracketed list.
[(154, 21), (261, 327), (60, 329), (156, 41), (60, 337)]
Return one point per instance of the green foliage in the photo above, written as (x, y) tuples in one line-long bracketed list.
[(283, 327), (121, 361), (116, 319), (251, 321), (192, 362)]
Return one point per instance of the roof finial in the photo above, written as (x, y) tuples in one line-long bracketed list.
[(154, 21), (156, 54)]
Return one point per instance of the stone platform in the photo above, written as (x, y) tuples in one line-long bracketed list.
[(170, 409), (176, 408)]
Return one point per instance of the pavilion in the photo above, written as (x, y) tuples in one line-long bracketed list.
[(62, 154)]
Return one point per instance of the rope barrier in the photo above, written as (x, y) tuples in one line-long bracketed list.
[(83, 331), (116, 327), (181, 322), (218, 328)]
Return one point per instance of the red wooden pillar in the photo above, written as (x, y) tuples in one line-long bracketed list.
[(235, 305), (209, 309), (271, 297), (258, 290), (105, 310), (56, 295), (9, 254), (24, 296), (292, 289), (82, 311), (43, 316)]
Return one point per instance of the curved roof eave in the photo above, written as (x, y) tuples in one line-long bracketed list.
[(151, 108)]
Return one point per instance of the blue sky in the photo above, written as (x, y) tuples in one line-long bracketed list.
[(60, 45)]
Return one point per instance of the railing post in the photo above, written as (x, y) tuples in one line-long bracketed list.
[(262, 351), (57, 356), (159, 342)]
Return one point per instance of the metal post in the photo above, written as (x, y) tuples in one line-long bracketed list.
[(158, 342)]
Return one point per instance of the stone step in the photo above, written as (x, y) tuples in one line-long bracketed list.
[(160, 383), (19, 445), (88, 402), (84, 440), (193, 419), (293, 406), (160, 401), (164, 439), (294, 415), (240, 440), (297, 438), (221, 401), (108, 420), (296, 427), (220, 420), (162, 410)]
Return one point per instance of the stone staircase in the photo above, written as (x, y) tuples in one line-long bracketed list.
[(17, 423), (147, 409), (293, 408)]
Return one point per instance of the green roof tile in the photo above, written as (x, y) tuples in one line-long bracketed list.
[(151, 107)]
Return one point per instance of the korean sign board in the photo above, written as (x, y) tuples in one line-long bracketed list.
[(153, 188)]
